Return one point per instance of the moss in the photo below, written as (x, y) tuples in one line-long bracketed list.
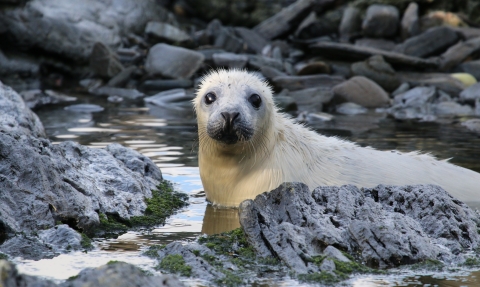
[(232, 243), (196, 252), (319, 277), (86, 242), (72, 278), (428, 264), (112, 262), (3, 256), (175, 264), (110, 226), (164, 202), (152, 251), (472, 262), (230, 279)]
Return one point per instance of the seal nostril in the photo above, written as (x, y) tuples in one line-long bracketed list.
[(229, 119), (234, 116)]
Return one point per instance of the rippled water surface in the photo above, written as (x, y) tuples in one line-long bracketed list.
[(168, 137)]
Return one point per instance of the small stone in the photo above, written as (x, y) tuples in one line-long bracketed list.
[(327, 265), (471, 94), (467, 79), (472, 125), (167, 98), (312, 68), (254, 41), (410, 22), (380, 44), (172, 62), (350, 109), (230, 60), (166, 32), (227, 40), (91, 84), (431, 42), (401, 89), (379, 71), (362, 91), (452, 109), (351, 23), (115, 99), (414, 104), (122, 78), (381, 21), (103, 61), (84, 108), (333, 252)]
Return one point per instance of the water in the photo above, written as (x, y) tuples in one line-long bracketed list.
[(168, 137)]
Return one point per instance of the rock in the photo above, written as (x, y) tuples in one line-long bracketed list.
[(120, 274), (361, 91), (333, 252), (414, 104), (467, 32), (121, 92), (317, 67), (70, 28), (432, 42), (121, 79), (381, 21), (401, 89), (410, 25), (37, 98), (164, 32), (441, 18), (172, 62), (286, 20), (351, 24), (131, 56), (350, 109), (103, 61), (458, 53), (452, 109), (257, 62), (471, 94), (163, 85), (386, 225), (18, 64), (346, 51), (227, 40), (16, 117), (270, 72), (295, 83), (444, 82), (466, 79), (472, 125), (472, 68), (230, 60), (315, 27), (379, 71), (62, 238), (172, 99), (312, 99), (327, 265), (27, 247), (285, 103), (10, 277), (380, 44), (252, 39)]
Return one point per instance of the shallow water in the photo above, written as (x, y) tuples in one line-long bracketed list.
[(168, 137)]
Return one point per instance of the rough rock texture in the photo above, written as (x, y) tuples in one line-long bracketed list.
[(433, 41), (361, 91), (379, 71), (172, 62), (27, 247), (414, 104), (70, 28), (385, 225), (381, 21), (44, 183)]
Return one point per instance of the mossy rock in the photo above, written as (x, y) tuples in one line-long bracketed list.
[(152, 251), (175, 264), (3, 256)]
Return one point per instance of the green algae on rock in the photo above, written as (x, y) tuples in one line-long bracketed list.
[(175, 264)]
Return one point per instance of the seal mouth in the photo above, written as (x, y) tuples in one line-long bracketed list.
[(230, 135)]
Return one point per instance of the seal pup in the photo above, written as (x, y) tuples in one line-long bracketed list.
[(247, 147)]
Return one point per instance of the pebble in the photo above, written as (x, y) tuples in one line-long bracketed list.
[(85, 108)]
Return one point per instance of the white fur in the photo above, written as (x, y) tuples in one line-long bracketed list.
[(285, 152)]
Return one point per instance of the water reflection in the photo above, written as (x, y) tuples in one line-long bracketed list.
[(218, 220)]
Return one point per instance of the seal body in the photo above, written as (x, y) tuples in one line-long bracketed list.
[(246, 147)]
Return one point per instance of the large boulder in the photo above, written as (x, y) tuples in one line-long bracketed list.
[(70, 28)]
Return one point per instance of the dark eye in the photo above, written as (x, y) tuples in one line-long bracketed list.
[(210, 98), (255, 100)]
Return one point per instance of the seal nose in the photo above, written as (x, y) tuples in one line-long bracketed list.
[(229, 119)]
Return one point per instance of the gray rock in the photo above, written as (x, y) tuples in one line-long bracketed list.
[(257, 62), (27, 247), (452, 109), (62, 238), (312, 68), (380, 44), (312, 99), (37, 98), (104, 62), (350, 109), (385, 225), (381, 21), (121, 92), (414, 104), (227, 40), (70, 28), (472, 68), (270, 72), (284, 102), (458, 53), (163, 85), (314, 27), (230, 60), (84, 108), (286, 20), (252, 39), (295, 83), (351, 23), (471, 94), (164, 32), (327, 265), (431, 42), (410, 24), (361, 91), (18, 64), (120, 274), (121, 79), (173, 99), (401, 89), (12, 278), (442, 81), (472, 125), (172, 62), (16, 117), (333, 252), (379, 71)]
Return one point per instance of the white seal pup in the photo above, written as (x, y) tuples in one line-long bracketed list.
[(246, 147)]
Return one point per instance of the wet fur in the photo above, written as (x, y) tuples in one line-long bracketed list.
[(283, 151)]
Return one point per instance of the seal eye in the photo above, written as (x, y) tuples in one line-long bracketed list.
[(210, 98), (255, 100)]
